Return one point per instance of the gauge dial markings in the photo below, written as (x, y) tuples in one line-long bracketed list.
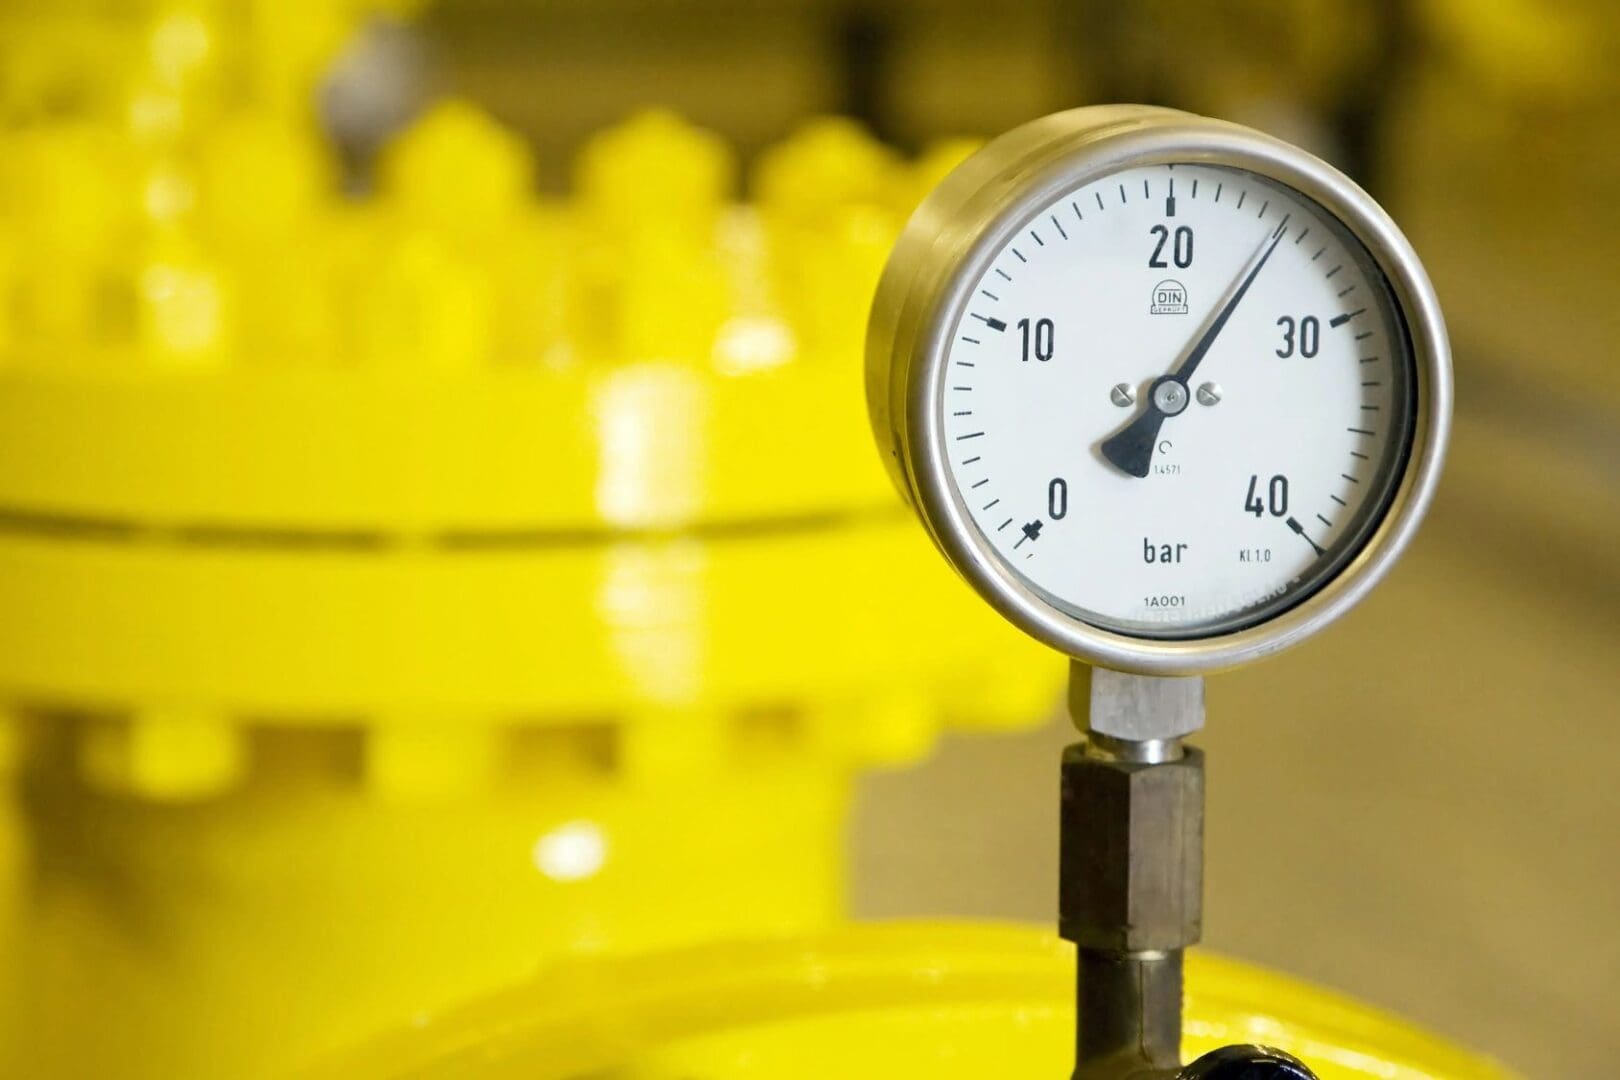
[(1012, 362)]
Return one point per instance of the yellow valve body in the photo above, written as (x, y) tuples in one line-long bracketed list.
[(305, 910), (410, 588), (940, 1001), (407, 590)]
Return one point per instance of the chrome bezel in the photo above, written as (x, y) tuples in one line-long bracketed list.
[(949, 244)]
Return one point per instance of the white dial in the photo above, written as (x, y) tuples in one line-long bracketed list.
[(1178, 400)]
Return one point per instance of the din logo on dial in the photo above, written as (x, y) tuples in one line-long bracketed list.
[(1179, 484)]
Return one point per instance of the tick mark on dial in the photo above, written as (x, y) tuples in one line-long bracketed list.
[(969, 435), (981, 483), (1058, 226), (1335, 270), (1263, 206), (1037, 236), (1076, 208), (1347, 476), (1020, 255), (1098, 194), (1301, 236), (1241, 196), (993, 323), (1338, 500), (1003, 273), (1365, 334), (1339, 320), (971, 460), (1347, 290), (991, 503), (1358, 431), (1324, 521), (1318, 254), (991, 295), (1122, 194), (1004, 524), (970, 341), (1300, 529)]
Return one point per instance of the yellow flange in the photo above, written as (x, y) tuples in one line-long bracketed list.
[(939, 1001), (414, 587), (410, 589)]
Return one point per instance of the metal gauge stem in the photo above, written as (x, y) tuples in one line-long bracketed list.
[(1171, 394)]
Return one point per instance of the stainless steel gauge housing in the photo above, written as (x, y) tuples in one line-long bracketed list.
[(939, 276)]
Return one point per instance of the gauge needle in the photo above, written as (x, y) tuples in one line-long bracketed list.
[(1130, 449)]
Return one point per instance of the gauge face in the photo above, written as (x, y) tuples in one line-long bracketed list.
[(1177, 401)]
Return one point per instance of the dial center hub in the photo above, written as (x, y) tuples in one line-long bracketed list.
[(1170, 396)]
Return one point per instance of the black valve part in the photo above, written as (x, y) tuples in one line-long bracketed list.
[(1247, 1063)]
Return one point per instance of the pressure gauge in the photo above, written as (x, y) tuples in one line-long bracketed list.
[(1169, 393)]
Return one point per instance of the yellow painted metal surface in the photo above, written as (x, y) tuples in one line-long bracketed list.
[(409, 588), (306, 909), (900, 1000)]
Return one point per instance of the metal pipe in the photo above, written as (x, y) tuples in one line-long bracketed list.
[(1130, 897), (1129, 1012)]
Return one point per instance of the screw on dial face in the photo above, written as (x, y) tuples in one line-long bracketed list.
[(1115, 484)]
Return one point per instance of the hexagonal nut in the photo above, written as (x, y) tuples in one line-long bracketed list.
[(1131, 707), (1132, 852)]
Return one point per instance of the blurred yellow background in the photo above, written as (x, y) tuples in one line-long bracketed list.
[(395, 474)]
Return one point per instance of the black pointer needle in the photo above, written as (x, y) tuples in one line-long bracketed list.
[(1130, 450)]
